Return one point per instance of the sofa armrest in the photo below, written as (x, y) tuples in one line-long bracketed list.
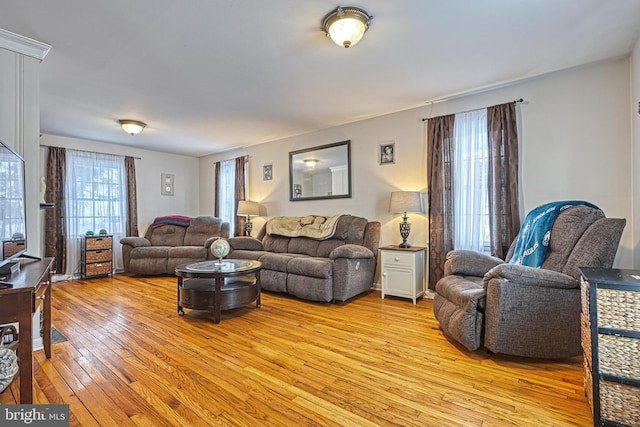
[(245, 243), (135, 242), (351, 251), (531, 276), (469, 263)]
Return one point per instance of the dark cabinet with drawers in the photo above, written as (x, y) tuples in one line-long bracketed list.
[(97, 256)]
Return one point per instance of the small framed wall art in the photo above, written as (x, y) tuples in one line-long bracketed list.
[(387, 152), (267, 172), (166, 184)]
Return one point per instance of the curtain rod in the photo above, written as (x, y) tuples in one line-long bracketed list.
[(87, 151), (516, 101)]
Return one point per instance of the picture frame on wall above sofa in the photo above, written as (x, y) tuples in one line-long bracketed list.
[(267, 172), (166, 182), (387, 152)]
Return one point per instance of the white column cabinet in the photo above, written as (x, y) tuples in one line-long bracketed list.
[(403, 271), (20, 59)]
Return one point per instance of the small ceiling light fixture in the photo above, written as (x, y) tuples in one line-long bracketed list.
[(132, 127), (346, 25), (311, 162)]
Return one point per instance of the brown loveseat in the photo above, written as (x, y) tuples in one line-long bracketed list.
[(171, 241), (520, 310), (334, 268)]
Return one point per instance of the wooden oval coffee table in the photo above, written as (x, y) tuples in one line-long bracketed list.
[(218, 285)]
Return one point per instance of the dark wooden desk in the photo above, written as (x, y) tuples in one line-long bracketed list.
[(31, 290)]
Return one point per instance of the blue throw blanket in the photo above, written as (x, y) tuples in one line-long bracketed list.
[(180, 220), (535, 232)]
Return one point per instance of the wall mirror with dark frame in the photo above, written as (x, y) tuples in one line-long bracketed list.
[(322, 172)]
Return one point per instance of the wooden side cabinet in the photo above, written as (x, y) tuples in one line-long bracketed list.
[(96, 256), (403, 271), (30, 291), (610, 340)]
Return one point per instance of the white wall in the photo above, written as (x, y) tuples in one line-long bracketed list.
[(635, 127), (575, 144), (372, 183), (149, 167), (575, 139)]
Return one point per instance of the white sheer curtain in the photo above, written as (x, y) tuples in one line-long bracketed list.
[(226, 188), (470, 181), (96, 194)]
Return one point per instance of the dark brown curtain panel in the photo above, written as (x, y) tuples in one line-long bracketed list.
[(216, 186), (55, 219), (132, 197), (240, 185), (504, 217), (440, 198)]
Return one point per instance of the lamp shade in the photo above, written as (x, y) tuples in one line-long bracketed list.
[(406, 201), (248, 208), (346, 25)]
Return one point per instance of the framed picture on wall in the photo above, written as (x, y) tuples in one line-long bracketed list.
[(387, 152), (267, 172), (166, 182)]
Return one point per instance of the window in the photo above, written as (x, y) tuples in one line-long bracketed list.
[(96, 198), (470, 182), (226, 188)]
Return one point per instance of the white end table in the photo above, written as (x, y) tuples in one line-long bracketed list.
[(403, 271)]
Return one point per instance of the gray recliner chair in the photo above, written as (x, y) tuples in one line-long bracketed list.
[(526, 311)]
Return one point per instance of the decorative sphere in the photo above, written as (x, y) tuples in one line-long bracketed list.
[(220, 248)]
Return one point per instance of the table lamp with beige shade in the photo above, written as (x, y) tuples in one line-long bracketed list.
[(405, 202)]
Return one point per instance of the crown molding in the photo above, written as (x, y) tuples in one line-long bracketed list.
[(23, 45)]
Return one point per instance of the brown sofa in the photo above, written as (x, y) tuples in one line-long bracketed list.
[(526, 311), (331, 269), (164, 246)]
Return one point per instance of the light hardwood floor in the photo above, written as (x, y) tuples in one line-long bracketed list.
[(130, 359)]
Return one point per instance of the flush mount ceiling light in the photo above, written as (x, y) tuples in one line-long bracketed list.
[(346, 25), (311, 162), (132, 127)]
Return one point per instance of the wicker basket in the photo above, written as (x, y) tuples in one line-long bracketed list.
[(94, 243), (588, 383), (97, 256), (98, 269), (619, 309), (584, 295), (619, 356), (620, 403), (13, 247), (585, 336)]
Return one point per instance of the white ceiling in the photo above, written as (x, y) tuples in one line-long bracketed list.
[(210, 75)]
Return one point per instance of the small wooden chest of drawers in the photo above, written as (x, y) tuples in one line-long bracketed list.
[(611, 342), (96, 256)]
